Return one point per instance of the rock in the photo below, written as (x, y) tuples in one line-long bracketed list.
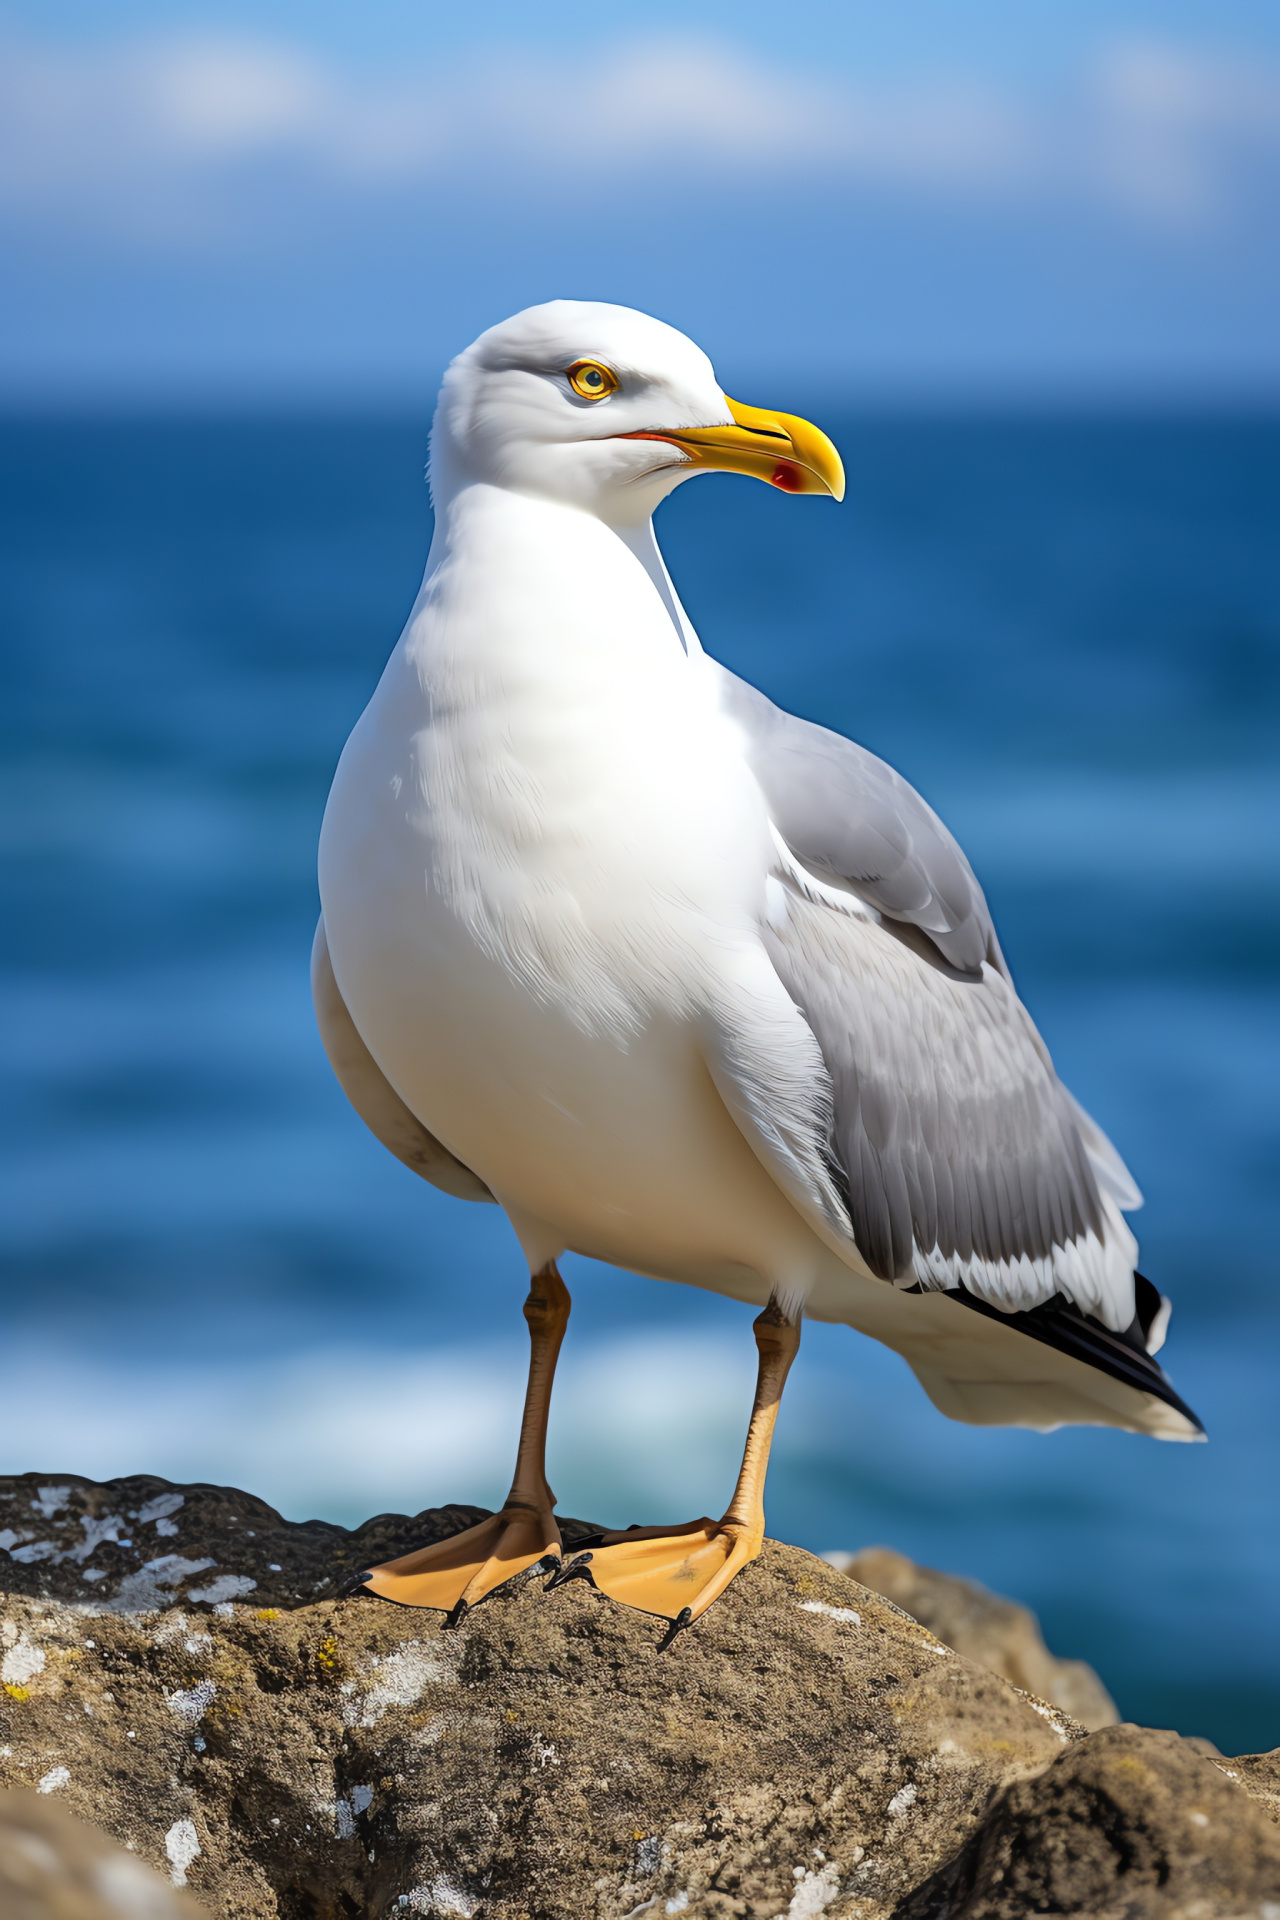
[(54, 1867), (336, 1757), (1127, 1824), (805, 1748), (996, 1633), (1259, 1773)]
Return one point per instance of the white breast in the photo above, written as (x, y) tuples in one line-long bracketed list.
[(541, 851)]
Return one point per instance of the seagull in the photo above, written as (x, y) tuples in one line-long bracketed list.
[(684, 983)]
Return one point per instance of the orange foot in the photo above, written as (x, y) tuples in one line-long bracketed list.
[(454, 1574), (673, 1571)]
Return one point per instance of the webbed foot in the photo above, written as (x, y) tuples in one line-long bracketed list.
[(675, 1572), (455, 1574)]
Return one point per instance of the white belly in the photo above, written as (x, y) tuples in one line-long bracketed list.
[(620, 1150)]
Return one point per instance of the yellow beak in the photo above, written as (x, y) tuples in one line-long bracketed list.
[(781, 448)]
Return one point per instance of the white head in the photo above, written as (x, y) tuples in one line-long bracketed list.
[(606, 409)]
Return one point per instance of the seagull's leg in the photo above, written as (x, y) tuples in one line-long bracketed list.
[(679, 1571), (457, 1572)]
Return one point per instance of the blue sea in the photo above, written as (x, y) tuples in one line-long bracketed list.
[(1064, 630)]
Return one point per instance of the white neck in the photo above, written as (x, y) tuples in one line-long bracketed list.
[(453, 498)]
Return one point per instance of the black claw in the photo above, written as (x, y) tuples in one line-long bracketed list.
[(577, 1568), (354, 1583), (456, 1616), (678, 1625)]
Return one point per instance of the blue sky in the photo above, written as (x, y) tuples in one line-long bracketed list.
[(282, 199)]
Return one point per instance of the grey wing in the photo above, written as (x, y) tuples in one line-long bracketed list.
[(964, 1160), (968, 1163), (371, 1093), (848, 817)]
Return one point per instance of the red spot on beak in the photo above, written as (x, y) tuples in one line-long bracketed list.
[(785, 477)]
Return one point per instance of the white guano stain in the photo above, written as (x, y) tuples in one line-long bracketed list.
[(160, 1509), (145, 1590), (50, 1500), (22, 1663), (55, 1778), (95, 1532), (814, 1893), (182, 1845), (227, 1586), (398, 1681), (440, 1896), (1047, 1713), (903, 1800), (96, 1529), (846, 1615), (193, 1704)]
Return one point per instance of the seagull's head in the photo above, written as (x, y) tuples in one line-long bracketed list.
[(606, 409)]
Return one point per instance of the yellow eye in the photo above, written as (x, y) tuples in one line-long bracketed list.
[(591, 380)]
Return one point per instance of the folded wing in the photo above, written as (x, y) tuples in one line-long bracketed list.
[(969, 1165)]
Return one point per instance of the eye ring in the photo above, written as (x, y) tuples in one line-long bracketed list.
[(591, 379)]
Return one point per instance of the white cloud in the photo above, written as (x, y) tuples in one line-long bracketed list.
[(173, 137), (1170, 127), (220, 98)]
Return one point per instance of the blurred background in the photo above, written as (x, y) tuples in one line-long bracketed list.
[(1022, 264)]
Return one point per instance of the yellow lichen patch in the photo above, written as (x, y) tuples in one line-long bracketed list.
[(268, 1613), (329, 1660), (15, 1692), (1126, 1763)]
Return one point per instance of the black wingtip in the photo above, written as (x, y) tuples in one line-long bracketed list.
[(354, 1583)]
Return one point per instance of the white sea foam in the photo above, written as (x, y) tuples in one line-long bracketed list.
[(641, 1421)]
